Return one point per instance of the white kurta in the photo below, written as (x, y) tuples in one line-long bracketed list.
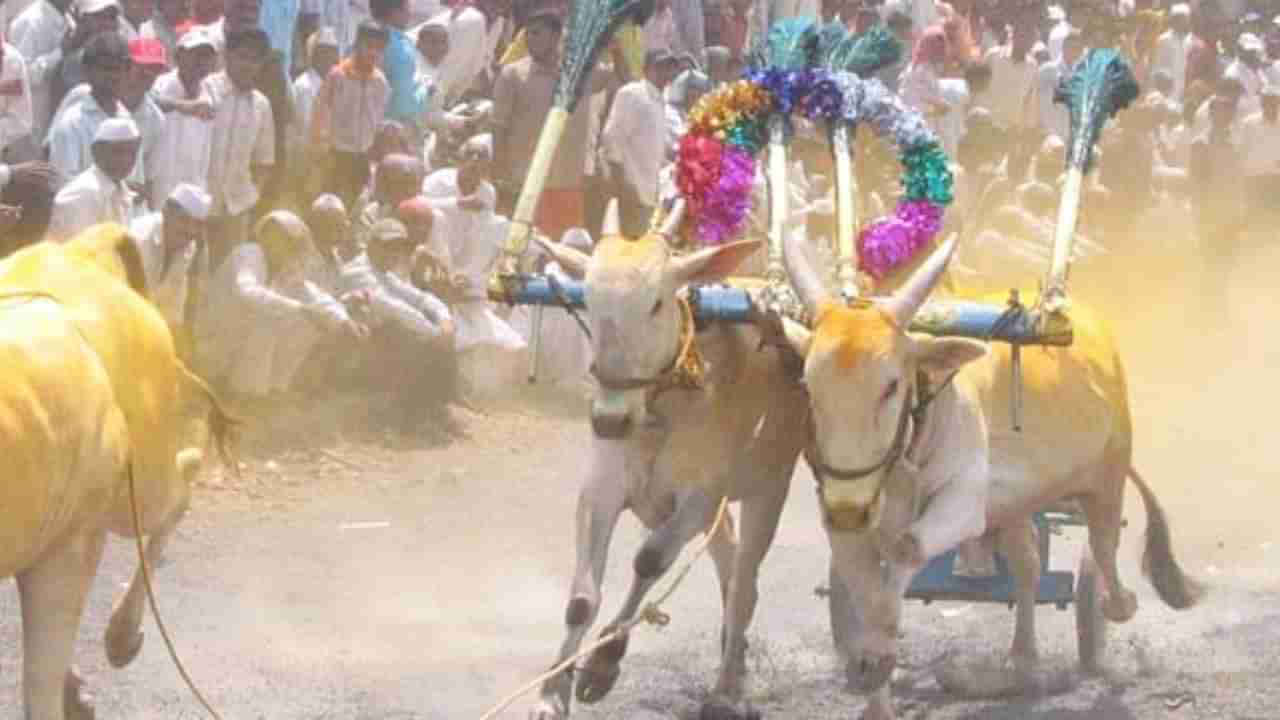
[(251, 332), (71, 137), (394, 302), (635, 136), (474, 240), (305, 90), (15, 110), (167, 286), (89, 199), (37, 33), (1171, 56), (185, 143), (243, 136)]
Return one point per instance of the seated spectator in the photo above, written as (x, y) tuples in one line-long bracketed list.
[(100, 193), (398, 178), (261, 316), (175, 257), (411, 332)]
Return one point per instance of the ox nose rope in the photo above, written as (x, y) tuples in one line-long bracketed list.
[(651, 614)]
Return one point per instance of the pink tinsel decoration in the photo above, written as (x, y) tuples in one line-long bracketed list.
[(888, 244), (725, 206)]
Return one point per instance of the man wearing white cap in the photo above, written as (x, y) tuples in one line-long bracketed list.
[(99, 194), (1172, 47), (188, 106), (93, 18), (322, 55), (171, 243), (1247, 68)]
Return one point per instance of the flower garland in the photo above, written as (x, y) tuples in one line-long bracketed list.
[(716, 162)]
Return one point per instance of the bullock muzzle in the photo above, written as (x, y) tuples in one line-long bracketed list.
[(851, 505), (611, 415)]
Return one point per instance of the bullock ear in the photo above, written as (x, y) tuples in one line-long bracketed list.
[(711, 264), (799, 337), (943, 356), (573, 261)]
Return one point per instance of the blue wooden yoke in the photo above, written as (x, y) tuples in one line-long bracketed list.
[(1011, 323)]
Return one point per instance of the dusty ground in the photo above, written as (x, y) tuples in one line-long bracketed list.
[(362, 579)]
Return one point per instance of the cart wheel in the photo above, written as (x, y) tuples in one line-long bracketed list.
[(844, 616), (1091, 626)]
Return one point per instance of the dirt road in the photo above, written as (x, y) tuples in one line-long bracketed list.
[(380, 582)]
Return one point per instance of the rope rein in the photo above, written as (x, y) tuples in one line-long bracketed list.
[(651, 614)]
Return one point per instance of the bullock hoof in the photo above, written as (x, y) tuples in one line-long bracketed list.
[(77, 704), (595, 681), (548, 710), (868, 673), (725, 710), (1120, 607), (122, 646)]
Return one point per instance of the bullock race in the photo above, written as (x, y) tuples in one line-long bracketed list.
[(877, 404)]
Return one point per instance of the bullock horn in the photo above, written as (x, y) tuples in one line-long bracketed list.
[(904, 303), (612, 225), (672, 222), (806, 281)]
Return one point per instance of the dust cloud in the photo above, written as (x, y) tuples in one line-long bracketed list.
[(1202, 377)]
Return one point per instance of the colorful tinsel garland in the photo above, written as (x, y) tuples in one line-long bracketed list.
[(716, 166)]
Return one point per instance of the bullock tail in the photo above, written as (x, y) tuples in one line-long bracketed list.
[(222, 424), (1177, 589)]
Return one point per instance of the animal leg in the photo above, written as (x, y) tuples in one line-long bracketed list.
[(124, 635), (52, 595), (1103, 509), (599, 504), (1018, 544), (722, 549), (660, 549), (955, 514), (760, 515)]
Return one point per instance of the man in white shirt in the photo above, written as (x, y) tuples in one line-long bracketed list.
[(186, 142), (107, 63), (322, 55), (634, 140), (1248, 68), (1013, 79), (171, 243), (39, 33), (15, 99), (99, 194), (1171, 48), (93, 17), (243, 146), (1058, 33)]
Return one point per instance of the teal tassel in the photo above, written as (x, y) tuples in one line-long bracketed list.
[(1099, 86), (792, 44), (591, 26), (866, 53), (927, 175)]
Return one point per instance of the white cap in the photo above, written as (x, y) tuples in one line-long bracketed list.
[(483, 141), (326, 37), (576, 238), (1249, 41), (198, 36), (192, 199), (1181, 9), (116, 130), (1056, 13), (88, 7)]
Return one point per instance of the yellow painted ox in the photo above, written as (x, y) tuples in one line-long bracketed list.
[(93, 400), (903, 486), (670, 452)]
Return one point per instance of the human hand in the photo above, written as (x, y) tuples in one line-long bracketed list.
[(201, 108), (10, 215), (11, 88), (470, 203), (33, 173)]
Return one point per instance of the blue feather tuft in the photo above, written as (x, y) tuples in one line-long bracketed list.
[(1100, 85)]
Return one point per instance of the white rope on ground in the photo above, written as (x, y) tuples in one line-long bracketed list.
[(651, 613)]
